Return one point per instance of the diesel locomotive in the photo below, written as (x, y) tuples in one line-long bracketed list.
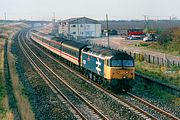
[(100, 64)]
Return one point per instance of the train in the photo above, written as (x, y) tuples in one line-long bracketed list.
[(101, 64)]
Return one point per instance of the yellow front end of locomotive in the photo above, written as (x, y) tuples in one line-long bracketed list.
[(119, 73)]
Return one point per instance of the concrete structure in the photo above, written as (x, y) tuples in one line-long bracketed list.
[(54, 28), (82, 27)]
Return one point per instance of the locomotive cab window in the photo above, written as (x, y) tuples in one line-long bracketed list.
[(116, 63), (120, 63), (128, 63)]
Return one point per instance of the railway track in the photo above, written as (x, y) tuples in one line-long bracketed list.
[(143, 113), (156, 111), (84, 109)]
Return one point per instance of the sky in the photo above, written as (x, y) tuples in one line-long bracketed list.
[(96, 9)]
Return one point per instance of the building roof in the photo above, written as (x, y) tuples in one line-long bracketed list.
[(81, 20)]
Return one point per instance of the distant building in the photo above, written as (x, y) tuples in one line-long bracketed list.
[(80, 27)]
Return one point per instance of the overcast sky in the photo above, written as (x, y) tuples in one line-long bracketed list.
[(117, 9)]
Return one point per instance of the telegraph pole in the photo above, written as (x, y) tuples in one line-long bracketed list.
[(107, 29), (170, 22), (145, 21)]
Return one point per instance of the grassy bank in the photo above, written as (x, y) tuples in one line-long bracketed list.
[(6, 33), (19, 90), (167, 49), (2, 88), (169, 75), (5, 112)]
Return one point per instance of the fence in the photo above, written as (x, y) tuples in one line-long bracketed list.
[(163, 61)]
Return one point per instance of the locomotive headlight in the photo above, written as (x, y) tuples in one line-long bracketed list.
[(126, 72), (124, 77)]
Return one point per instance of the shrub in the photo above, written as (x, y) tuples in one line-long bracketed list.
[(144, 44), (170, 40), (140, 57), (165, 37)]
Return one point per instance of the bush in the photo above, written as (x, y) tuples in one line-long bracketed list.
[(165, 37), (144, 44), (140, 57), (170, 40)]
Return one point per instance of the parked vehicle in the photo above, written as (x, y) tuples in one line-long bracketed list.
[(150, 37), (135, 34)]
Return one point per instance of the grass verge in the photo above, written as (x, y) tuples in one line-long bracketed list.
[(2, 87), (154, 92), (169, 75), (5, 112), (19, 91)]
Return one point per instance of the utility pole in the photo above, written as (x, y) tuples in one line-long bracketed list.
[(107, 29), (145, 21), (170, 22), (54, 25)]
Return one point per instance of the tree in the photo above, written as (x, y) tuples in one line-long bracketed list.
[(165, 37)]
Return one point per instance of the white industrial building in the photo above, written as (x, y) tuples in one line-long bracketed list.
[(80, 27)]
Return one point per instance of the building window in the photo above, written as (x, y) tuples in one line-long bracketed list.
[(74, 32), (82, 33), (73, 25), (81, 25)]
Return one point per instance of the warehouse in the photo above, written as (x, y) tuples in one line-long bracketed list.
[(80, 27)]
